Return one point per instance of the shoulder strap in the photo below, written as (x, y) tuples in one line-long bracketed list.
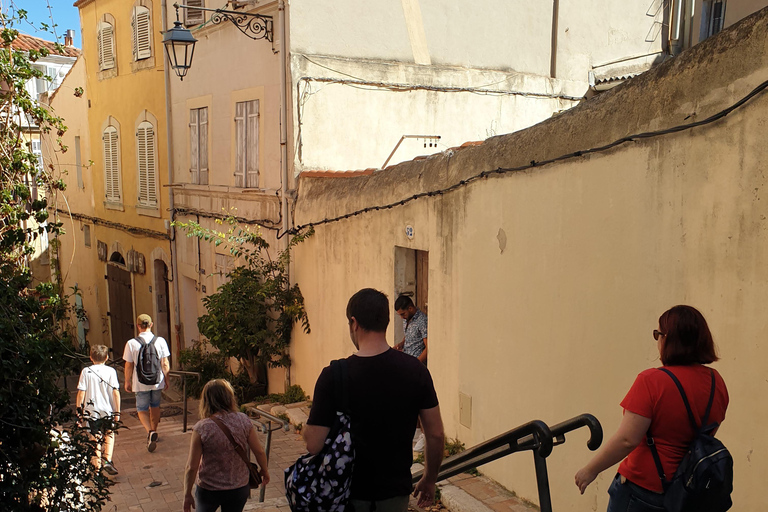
[(691, 418), (649, 438), (228, 433), (139, 339), (154, 339), (341, 384)]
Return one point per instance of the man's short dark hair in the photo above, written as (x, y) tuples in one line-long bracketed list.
[(370, 308), (403, 302)]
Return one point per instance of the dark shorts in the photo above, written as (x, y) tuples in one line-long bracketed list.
[(628, 497), (232, 500)]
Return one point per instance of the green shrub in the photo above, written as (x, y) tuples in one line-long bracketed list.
[(210, 364)]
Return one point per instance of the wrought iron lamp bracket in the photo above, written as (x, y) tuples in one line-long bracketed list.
[(255, 26)]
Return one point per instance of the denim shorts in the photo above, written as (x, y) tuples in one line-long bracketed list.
[(628, 497), (147, 399)]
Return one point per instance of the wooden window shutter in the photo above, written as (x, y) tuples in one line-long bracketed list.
[(145, 143), (240, 143), (194, 146), (142, 33), (203, 145), (111, 165), (194, 16), (252, 148), (106, 46)]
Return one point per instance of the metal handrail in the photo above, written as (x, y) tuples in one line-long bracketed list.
[(535, 436), (267, 428), (181, 374)]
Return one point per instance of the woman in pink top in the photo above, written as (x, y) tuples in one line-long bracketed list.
[(220, 473)]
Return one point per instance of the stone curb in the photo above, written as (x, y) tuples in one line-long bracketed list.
[(459, 500)]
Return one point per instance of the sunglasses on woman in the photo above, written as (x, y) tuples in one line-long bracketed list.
[(657, 334)]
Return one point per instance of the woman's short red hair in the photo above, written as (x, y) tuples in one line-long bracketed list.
[(688, 339)]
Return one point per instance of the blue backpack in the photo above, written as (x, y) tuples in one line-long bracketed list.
[(704, 480), (323, 482)]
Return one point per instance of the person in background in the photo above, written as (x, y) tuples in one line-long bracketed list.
[(415, 326), (388, 391), (414, 344), (220, 475), (653, 404), (98, 402), (147, 395)]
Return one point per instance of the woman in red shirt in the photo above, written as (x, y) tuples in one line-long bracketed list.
[(654, 406)]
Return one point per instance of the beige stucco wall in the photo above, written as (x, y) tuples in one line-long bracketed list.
[(77, 260), (228, 67), (455, 69), (129, 94), (544, 285)]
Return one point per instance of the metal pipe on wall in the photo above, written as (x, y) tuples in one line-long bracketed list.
[(284, 139), (553, 50), (169, 143)]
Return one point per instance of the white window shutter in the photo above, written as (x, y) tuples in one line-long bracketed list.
[(194, 16), (111, 167), (115, 156), (194, 146), (106, 46), (252, 148), (240, 143), (145, 143), (142, 33), (203, 145)]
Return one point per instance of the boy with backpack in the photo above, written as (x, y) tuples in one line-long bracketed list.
[(146, 374), (98, 402)]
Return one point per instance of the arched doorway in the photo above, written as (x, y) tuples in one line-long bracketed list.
[(162, 313), (120, 304)]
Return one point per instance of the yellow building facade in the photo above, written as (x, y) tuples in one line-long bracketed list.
[(117, 247)]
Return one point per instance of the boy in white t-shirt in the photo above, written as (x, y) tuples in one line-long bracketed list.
[(98, 397)]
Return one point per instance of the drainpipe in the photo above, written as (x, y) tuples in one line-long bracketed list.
[(169, 151), (553, 48), (284, 138)]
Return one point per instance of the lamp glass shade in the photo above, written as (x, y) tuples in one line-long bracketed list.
[(180, 48)]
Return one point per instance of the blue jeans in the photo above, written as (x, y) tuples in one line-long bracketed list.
[(628, 497), (147, 399), (232, 500)]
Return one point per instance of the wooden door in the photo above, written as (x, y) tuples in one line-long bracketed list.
[(120, 308), (422, 281)]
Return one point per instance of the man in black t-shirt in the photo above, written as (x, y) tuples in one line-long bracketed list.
[(388, 391)]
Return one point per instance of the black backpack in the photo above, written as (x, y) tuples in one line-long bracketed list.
[(148, 368), (323, 482), (704, 480)]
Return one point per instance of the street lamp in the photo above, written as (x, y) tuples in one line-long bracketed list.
[(180, 44), (180, 47)]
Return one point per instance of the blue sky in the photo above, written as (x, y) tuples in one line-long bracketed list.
[(64, 15)]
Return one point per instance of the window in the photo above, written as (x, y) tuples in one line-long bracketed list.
[(87, 235), (198, 145), (37, 150), (111, 165), (41, 83), (712, 18), (142, 33), (147, 163), (717, 16), (106, 46), (247, 144), (79, 163), (194, 16)]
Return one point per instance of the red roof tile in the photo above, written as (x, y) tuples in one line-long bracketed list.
[(26, 42)]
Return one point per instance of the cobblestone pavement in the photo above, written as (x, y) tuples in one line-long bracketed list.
[(151, 482)]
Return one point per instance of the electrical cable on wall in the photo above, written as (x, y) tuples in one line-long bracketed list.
[(502, 170), (116, 225)]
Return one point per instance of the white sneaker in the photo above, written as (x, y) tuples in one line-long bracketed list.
[(420, 443)]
